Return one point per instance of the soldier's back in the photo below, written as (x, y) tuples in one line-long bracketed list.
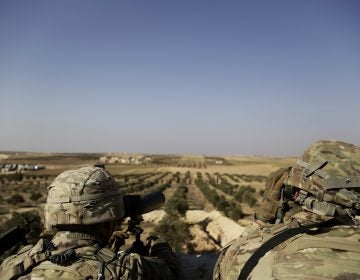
[(328, 253), (86, 261)]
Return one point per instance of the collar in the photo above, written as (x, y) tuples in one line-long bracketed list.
[(69, 239)]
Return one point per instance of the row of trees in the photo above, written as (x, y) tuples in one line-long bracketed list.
[(161, 187), (246, 177), (245, 194), (252, 178), (230, 209), (173, 228), (128, 180), (20, 177), (143, 185)]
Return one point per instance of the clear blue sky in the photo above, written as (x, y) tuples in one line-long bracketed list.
[(191, 76)]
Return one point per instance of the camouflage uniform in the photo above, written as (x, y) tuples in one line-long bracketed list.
[(313, 194), (86, 198)]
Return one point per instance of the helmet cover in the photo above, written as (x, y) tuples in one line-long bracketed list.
[(83, 196)]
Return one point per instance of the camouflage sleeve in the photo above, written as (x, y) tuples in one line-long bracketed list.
[(161, 264)]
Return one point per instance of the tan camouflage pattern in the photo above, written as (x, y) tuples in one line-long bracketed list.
[(331, 255), (270, 203), (161, 264), (343, 158), (84, 196)]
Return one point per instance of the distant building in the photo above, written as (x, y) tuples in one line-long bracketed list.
[(103, 159), (123, 160), (15, 167), (114, 160)]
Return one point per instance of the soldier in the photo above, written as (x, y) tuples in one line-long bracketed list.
[(308, 224), (83, 206)]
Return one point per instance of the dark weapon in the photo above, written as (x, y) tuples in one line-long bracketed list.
[(133, 228), (135, 206)]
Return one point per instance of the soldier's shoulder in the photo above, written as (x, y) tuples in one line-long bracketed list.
[(15, 257), (234, 255), (327, 252), (23, 252)]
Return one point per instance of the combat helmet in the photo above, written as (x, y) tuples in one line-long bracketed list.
[(325, 181), (84, 196)]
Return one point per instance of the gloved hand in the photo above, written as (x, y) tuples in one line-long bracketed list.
[(140, 248), (117, 240)]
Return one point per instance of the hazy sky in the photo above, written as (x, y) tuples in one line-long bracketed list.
[(190, 76)]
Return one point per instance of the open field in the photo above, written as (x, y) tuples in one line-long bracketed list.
[(209, 199)]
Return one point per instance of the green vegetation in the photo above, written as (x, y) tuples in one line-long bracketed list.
[(192, 162), (251, 178), (230, 209), (222, 184), (15, 199), (165, 160), (246, 194), (174, 231), (176, 177), (35, 196), (177, 204), (172, 228), (140, 185), (187, 178), (232, 177), (130, 180), (12, 177)]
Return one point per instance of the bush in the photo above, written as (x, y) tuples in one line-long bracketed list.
[(174, 231), (35, 196), (16, 198), (177, 204), (230, 209), (246, 194), (17, 177), (235, 212)]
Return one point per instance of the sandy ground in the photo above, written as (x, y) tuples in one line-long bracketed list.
[(219, 228), (154, 216)]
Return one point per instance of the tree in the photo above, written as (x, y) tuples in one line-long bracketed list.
[(16, 198), (174, 231)]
